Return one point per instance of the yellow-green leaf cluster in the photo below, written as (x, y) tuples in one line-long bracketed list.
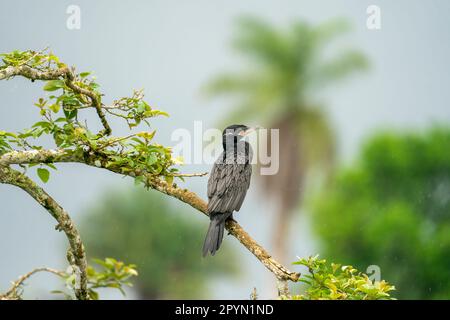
[(330, 281)]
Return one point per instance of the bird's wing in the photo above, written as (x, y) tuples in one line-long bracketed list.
[(244, 185), (214, 178), (227, 186)]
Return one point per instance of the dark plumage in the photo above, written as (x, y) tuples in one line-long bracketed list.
[(228, 183)]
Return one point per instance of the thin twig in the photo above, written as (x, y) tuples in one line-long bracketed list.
[(200, 174), (115, 140), (11, 292), (34, 55)]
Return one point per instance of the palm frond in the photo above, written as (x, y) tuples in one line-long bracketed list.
[(258, 40), (326, 32), (230, 83), (340, 67)]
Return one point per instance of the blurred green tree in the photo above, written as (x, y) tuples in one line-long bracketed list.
[(276, 88), (162, 239), (392, 209)]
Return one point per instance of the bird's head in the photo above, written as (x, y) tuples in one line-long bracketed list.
[(237, 131), (233, 134)]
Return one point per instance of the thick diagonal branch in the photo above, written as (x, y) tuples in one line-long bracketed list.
[(77, 256), (58, 74), (189, 197)]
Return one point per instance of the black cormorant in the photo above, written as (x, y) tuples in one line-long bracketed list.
[(228, 183)]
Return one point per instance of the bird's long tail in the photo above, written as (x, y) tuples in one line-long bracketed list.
[(214, 235)]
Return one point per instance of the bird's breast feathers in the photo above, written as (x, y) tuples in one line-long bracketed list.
[(227, 185)]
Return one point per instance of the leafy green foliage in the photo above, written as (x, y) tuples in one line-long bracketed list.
[(53, 85), (109, 273), (145, 228), (4, 142), (134, 109), (114, 274), (61, 121), (392, 209), (327, 281), (31, 58)]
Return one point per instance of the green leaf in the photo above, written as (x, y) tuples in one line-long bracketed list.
[(84, 74), (51, 165), (70, 114), (53, 85), (43, 174), (54, 107), (94, 85), (141, 106), (138, 141), (100, 262), (147, 135), (138, 180), (110, 262), (154, 113), (151, 159), (169, 179), (93, 294), (42, 124)]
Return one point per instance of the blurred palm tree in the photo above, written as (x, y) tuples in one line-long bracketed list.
[(276, 88)]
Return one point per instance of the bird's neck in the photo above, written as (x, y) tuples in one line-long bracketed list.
[(233, 146), (229, 143)]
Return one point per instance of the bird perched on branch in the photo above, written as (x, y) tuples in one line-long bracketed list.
[(228, 183)]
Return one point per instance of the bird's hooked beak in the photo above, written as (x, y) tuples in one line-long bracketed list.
[(248, 131)]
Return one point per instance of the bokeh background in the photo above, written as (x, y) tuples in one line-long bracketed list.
[(364, 127)]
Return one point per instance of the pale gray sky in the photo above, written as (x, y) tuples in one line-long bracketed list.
[(171, 48)]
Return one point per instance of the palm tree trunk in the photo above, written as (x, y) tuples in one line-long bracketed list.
[(280, 235), (286, 185)]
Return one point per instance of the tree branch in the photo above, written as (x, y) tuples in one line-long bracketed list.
[(189, 197), (76, 254), (64, 73), (12, 292)]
